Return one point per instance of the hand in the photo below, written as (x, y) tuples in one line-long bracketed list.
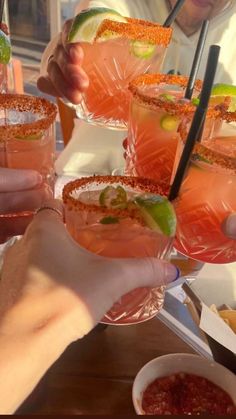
[(19, 190), (229, 226), (46, 265), (65, 77)]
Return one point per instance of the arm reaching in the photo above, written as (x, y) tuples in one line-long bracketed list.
[(53, 292)]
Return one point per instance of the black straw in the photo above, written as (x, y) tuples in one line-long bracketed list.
[(170, 19), (198, 120), (1, 9), (197, 60)]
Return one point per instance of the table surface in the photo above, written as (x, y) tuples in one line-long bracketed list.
[(95, 375)]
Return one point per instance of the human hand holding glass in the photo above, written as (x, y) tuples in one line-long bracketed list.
[(48, 301)]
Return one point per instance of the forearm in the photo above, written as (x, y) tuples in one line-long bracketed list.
[(33, 335)]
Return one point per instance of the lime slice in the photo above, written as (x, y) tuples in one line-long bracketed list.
[(167, 97), (86, 24), (158, 213), (169, 123), (5, 48), (142, 49), (220, 91), (112, 197), (31, 137)]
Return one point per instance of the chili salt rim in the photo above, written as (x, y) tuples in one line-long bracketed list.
[(214, 157), (137, 30), (145, 185), (26, 103), (151, 79)]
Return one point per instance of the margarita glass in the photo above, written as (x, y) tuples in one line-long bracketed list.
[(207, 196), (158, 113), (27, 141), (120, 52), (118, 232)]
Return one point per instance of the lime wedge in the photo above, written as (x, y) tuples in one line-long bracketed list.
[(86, 24), (5, 48), (220, 91), (167, 97), (112, 197), (31, 137), (169, 122), (142, 49), (158, 213)]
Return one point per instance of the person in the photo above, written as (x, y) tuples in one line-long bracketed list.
[(48, 301), (62, 72), (19, 189), (64, 76)]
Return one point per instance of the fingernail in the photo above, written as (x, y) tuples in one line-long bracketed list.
[(37, 178), (75, 53), (229, 226), (172, 273)]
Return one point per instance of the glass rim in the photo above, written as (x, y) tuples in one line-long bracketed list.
[(26, 103), (137, 29), (155, 103), (145, 185), (210, 157)]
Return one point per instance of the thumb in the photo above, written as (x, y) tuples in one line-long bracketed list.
[(12, 180), (147, 272)]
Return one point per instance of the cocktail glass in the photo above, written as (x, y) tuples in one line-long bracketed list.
[(207, 196), (136, 47), (27, 141), (117, 233), (158, 113)]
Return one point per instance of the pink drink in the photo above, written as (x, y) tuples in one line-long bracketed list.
[(128, 238), (207, 197), (27, 141), (138, 47), (156, 113)]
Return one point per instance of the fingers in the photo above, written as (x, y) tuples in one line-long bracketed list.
[(229, 227), (66, 77), (13, 221), (18, 180), (51, 215), (28, 200)]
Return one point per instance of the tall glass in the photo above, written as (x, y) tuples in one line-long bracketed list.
[(27, 141), (207, 197), (135, 47), (157, 113), (88, 223)]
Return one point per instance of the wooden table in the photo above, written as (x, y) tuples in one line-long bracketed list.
[(95, 375)]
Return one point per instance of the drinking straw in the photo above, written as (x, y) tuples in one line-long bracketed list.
[(198, 120), (1, 9), (170, 19), (197, 60)]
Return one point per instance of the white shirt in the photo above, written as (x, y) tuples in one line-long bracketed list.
[(222, 31)]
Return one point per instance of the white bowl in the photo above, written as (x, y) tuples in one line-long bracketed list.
[(175, 363)]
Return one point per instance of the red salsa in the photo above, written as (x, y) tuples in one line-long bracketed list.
[(186, 394)]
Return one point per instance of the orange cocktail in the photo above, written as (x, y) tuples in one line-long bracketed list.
[(27, 141), (207, 197), (156, 112), (103, 215), (135, 47)]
